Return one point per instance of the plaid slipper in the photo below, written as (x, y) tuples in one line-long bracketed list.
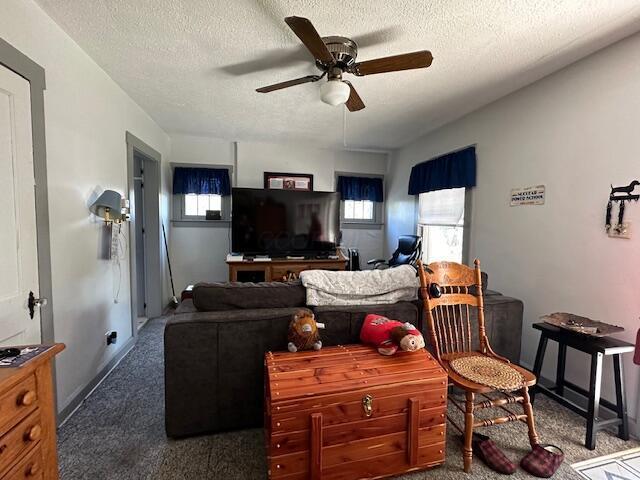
[(541, 462), (489, 453)]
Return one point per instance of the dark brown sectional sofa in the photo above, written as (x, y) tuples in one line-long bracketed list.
[(214, 347)]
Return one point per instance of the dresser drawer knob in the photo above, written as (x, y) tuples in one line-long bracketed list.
[(27, 398), (33, 433), (32, 470)]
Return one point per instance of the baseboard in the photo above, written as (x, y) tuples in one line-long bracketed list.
[(75, 403), (582, 401)]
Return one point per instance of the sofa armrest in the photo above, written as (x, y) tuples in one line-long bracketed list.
[(214, 368), (503, 321)]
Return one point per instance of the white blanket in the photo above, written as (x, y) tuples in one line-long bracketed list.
[(369, 287)]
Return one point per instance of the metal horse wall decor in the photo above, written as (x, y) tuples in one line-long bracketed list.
[(620, 195)]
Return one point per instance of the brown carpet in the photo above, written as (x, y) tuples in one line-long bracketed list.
[(118, 433)]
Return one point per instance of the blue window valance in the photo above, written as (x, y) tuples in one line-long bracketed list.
[(201, 181), (453, 170), (360, 188)]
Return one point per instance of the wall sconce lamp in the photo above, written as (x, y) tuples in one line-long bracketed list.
[(111, 206)]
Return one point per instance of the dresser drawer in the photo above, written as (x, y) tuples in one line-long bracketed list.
[(17, 402), (31, 467), (19, 439)]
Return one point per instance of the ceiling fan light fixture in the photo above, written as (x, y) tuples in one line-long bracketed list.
[(334, 92)]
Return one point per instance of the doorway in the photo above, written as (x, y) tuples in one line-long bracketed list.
[(138, 186), (144, 233), (15, 62), (19, 306)]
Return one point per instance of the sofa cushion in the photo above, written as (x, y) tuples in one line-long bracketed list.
[(212, 297)]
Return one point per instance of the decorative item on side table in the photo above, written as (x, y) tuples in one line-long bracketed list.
[(579, 324), (288, 181), (348, 412), (620, 195)]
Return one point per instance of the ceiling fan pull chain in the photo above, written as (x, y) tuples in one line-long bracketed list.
[(344, 126)]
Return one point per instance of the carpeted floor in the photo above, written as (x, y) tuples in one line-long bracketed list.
[(118, 433)]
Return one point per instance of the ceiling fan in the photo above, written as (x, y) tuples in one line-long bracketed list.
[(335, 56)]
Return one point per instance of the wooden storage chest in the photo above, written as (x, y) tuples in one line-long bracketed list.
[(347, 412)]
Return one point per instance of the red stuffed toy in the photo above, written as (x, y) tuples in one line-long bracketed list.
[(390, 335)]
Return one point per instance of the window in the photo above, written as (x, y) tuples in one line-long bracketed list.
[(198, 189), (441, 223), (359, 210), (197, 205), (362, 199)]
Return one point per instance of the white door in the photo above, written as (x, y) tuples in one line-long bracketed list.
[(18, 247)]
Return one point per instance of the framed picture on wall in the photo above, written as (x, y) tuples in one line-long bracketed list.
[(288, 181)]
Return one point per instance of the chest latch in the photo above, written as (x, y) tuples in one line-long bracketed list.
[(367, 405)]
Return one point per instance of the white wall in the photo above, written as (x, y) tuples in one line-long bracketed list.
[(576, 132), (86, 117), (198, 253)]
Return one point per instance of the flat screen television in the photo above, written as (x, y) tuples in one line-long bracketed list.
[(284, 222)]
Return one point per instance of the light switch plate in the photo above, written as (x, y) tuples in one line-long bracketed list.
[(624, 232)]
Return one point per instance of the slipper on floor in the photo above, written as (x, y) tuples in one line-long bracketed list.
[(542, 462), (489, 453)]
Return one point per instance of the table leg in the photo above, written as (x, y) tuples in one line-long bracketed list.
[(595, 387), (621, 399), (537, 365), (562, 360)]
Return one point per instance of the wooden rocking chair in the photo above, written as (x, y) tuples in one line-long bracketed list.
[(450, 333)]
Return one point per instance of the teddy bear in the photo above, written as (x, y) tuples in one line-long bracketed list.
[(390, 335), (303, 331)]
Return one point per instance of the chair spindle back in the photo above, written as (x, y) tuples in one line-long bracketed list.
[(449, 317)]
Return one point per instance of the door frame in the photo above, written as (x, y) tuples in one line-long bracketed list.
[(153, 219), (19, 63)]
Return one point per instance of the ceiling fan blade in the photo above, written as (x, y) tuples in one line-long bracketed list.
[(307, 33), (405, 61), (354, 103), (289, 83)]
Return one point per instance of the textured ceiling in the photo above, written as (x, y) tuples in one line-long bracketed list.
[(194, 65)]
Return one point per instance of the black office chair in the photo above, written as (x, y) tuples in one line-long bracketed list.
[(408, 252)]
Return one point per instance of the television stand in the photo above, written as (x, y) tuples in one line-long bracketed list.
[(280, 269)]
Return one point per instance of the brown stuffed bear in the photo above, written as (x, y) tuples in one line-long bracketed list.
[(303, 331)]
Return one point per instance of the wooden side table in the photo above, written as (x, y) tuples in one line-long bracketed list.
[(597, 348)]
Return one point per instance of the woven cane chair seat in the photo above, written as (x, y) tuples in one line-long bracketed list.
[(489, 372)]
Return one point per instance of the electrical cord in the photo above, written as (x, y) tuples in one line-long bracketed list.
[(121, 242)]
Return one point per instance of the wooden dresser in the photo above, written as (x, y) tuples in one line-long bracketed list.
[(27, 420), (348, 412)]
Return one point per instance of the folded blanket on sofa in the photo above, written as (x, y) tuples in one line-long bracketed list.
[(369, 287)]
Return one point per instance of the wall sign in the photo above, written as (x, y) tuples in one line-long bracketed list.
[(527, 196), (288, 181)]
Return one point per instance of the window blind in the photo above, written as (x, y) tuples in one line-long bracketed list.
[(443, 207)]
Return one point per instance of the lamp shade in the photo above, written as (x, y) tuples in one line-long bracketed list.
[(107, 205), (334, 92)]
